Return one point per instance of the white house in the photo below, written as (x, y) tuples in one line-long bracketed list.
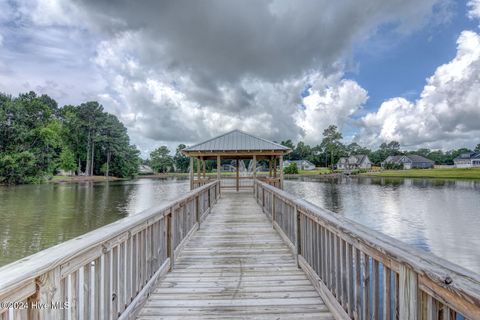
[(410, 161), (359, 161), (144, 169), (301, 164), (467, 160)]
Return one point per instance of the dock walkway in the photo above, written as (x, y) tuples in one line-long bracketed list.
[(235, 266), (214, 254)]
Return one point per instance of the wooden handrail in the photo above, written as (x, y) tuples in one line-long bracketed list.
[(106, 273), (356, 268)]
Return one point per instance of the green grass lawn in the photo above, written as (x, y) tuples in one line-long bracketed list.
[(314, 172), (453, 173)]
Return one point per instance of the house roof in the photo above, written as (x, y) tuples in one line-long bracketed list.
[(237, 140), (417, 158), (298, 162), (359, 157), (413, 158), (468, 156), (394, 158)]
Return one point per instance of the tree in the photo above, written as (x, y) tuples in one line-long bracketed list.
[(90, 115), (331, 143), (477, 148), (30, 139), (161, 160), (355, 149), (67, 160), (112, 136), (302, 151), (18, 168), (181, 161), (291, 169), (289, 144)]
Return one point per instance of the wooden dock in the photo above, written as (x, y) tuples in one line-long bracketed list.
[(217, 254), (235, 266)]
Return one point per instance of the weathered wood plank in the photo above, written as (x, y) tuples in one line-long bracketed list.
[(237, 266)]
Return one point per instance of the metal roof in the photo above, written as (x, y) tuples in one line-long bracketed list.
[(468, 156), (236, 140)]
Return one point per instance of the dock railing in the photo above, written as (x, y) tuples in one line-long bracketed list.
[(363, 274), (107, 273)]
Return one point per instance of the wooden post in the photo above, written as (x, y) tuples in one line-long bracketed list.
[(275, 167), (170, 244), (198, 168), (192, 177), (204, 171), (238, 174), (270, 167), (254, 175), (273, 210), (281, 172), (49, 290), (197, 210), (408, 293), (219, 168), (298, 249)]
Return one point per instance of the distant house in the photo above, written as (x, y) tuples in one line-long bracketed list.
[(467, 160), (144, 169), (301, 164), (409, 161), (359, 161)]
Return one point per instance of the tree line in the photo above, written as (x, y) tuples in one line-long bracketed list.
[(331, 148), (37, 138), (325, 154)]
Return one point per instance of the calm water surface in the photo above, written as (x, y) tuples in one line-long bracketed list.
[(441, 216), (35, 217)]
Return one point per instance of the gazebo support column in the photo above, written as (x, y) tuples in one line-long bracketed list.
[(198, 168), (203, 167), (275, 167), (254, 167), (270, 167), (281, 172), (219, 167), (238, 174), (191, 173)]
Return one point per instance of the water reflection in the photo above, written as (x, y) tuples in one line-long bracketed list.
[(35, 217), (441, 216)]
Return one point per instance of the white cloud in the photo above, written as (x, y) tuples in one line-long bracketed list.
[(474, 9), (331, 100), (181, 71), (447, 114)]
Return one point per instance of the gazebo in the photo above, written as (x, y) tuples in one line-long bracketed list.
[(236, 145)]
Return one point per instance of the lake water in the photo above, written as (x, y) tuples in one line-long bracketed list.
[(441, 216)]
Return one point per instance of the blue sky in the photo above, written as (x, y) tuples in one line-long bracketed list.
[(400, 65), (184, 71)]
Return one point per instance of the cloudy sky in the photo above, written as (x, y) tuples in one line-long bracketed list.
[(183, 71)]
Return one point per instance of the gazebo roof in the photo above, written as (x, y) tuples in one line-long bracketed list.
[(236, 141)]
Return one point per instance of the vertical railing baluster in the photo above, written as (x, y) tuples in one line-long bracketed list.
[(386, 293)]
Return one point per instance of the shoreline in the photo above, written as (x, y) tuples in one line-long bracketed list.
[(440, 173), (79, 179)]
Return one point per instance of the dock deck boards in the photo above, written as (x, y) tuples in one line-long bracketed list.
[(235, 267)]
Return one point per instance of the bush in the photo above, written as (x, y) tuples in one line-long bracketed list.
[(393, 166), (291, 169)]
